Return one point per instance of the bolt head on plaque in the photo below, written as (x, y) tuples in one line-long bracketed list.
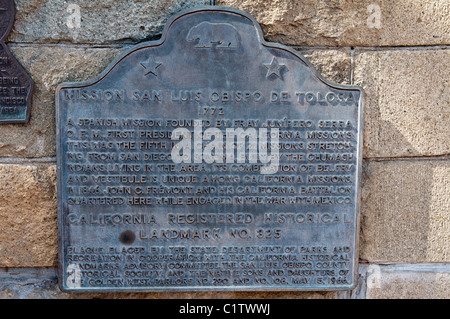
[(16, 86), (208, 160)]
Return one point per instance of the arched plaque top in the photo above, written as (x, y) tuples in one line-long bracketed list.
[(208, 30)]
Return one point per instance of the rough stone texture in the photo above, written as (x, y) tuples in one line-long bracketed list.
[(48, 66), (426, 281), (310, 22), (107, 21), (350, 23), (333, 65), (407, 102), (405, 211), (28, 226)]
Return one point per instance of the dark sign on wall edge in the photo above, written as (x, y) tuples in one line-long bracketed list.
[(16, 86)]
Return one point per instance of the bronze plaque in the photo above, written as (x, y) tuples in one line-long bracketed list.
[(208, 160), (16, 86)]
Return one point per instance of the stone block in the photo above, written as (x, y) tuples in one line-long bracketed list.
[(407, 102), (419, 281), (350, 23), (405, 211), (28, 219), (51, 65)]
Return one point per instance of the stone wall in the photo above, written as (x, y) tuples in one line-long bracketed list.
[(398, 51)]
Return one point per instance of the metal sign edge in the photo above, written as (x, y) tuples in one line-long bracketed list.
[(160, 42)]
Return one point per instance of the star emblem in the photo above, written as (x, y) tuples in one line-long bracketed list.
[(150, 66), (274, 68)]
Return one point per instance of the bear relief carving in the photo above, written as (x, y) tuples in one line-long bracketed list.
[(223, 35)]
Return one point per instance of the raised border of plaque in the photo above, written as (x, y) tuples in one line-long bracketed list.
[(225, 36)]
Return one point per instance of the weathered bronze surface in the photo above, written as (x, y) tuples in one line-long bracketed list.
[(16, 86), (208, 160)]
